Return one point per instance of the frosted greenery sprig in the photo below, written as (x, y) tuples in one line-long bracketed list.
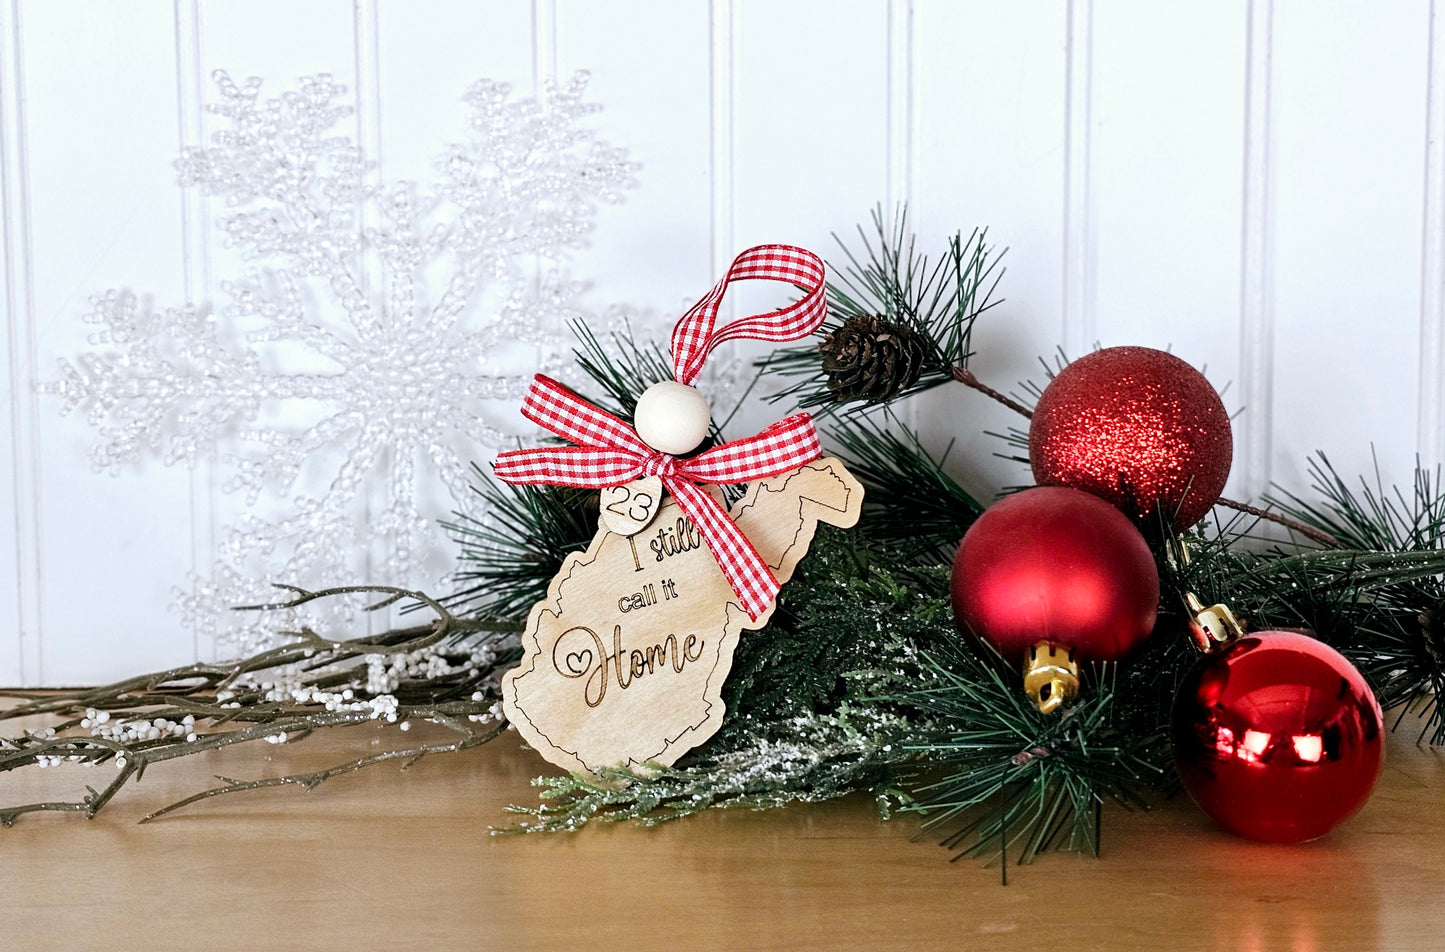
[(804, 759)]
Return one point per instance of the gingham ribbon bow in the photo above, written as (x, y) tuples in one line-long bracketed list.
[(608, 452)]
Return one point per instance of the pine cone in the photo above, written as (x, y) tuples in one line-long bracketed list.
[(1432, 627), (871, 358)]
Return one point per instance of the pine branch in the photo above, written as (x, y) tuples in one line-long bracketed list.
[(1374, 517), (622, 374), (967, 377), (506, 563), (1013, 777), (940, 300), (850, 608), (911, 504), (1388, 616)]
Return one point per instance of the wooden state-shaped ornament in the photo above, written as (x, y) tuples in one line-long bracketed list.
[(624, 660)]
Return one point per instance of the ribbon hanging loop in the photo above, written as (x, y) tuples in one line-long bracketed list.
[(693, 337)]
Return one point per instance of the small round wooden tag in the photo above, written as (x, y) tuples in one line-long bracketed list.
[(631, 507)]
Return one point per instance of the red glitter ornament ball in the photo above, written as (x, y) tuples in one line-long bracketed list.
[(1278, 737), (1055, 564), (1138, 427)]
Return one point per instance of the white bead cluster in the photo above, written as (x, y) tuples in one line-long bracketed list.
[(381, 678), (493, 713), (51, 760), (374, 681), (134, 731), (371, 683)]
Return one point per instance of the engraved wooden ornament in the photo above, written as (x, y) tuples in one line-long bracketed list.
[(624, 659)]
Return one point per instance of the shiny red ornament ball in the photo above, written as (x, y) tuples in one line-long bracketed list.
[(1055, 564), (1138, 427), (1278, 737)]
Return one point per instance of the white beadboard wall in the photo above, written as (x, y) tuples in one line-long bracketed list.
[(1257, 184)]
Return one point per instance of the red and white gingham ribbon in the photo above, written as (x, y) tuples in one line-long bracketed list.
[(608, 452), (693, 338)]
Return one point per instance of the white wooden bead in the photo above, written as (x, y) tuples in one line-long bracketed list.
[(672, 417)]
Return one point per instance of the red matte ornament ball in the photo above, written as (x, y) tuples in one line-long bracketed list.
[(1138, 427), (1055, 564), (1277, 737)]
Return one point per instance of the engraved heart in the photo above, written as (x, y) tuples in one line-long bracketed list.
[(579, 662)]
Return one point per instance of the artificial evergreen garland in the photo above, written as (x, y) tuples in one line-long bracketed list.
[(861, 682)]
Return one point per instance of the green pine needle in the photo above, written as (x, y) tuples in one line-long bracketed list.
[(507, 562), (911, 503), (1396, 622), (622, 374), (1004, 778)]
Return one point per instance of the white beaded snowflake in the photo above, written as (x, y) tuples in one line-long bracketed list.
[(333, 378)]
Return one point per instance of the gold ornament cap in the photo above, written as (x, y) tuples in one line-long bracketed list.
[(1051, 675), (1211, 627)]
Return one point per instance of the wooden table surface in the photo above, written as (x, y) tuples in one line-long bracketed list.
[(396, 860)]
